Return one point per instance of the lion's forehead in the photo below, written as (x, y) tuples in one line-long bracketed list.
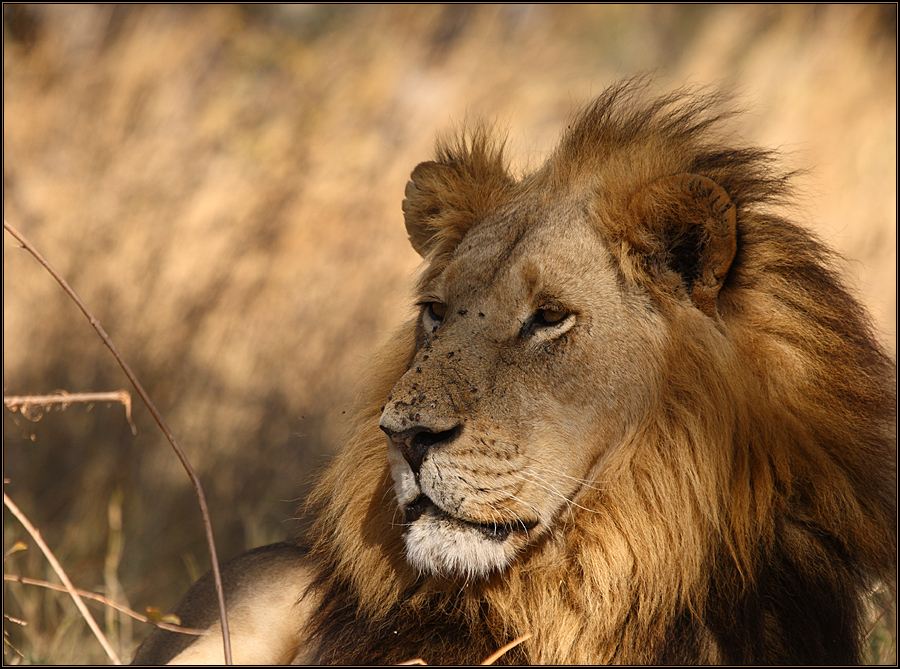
[(519, 258)]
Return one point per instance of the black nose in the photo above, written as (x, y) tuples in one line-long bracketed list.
[(415, 442)]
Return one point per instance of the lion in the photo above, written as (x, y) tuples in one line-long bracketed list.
[(636, 415)]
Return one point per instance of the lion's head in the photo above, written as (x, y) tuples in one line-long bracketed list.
[(529, 370), (635, 415)]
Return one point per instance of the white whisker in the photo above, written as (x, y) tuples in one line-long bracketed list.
[(551, 489), (556, 472)]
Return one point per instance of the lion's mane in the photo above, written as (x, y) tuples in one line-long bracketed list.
[(747, 516)]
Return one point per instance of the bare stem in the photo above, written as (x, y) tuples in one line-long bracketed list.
[(15, 578), (57, 567), (24, 402), (880, 616), (490, 659), (503, 650), (198, 488)]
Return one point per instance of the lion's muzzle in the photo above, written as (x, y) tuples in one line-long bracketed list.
[(415, 442)]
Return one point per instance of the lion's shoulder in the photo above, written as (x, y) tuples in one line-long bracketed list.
[(267, 600)]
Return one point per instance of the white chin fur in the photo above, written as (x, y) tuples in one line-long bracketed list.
[(443, 547)]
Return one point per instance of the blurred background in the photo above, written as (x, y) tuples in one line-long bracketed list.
[(222, 187)]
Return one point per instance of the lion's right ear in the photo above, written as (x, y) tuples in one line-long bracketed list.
[(445, 199), (426, 204)]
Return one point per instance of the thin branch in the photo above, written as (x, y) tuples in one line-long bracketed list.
[(500, 652), (15, 578), (198, 488), (880, 616), (493, 657), (24, 402), (9, 643), (57, 567)]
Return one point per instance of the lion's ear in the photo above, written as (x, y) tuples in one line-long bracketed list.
[(687, 225), (430, 193), (444, 199)]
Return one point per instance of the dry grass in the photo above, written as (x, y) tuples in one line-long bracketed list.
[(222, 186)]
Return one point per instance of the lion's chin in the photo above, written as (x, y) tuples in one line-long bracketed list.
[(440, 544)]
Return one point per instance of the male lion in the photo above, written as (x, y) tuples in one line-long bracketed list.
[(637, 416)]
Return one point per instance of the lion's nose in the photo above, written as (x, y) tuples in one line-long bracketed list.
[(414, 443)]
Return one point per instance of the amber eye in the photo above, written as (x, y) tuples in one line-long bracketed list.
[(550, 316), (437, 310), (550, 321)]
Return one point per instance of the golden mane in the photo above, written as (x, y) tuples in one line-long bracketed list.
[(748, 513)]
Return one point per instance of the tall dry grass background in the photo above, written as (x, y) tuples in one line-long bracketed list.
[(222, 186)]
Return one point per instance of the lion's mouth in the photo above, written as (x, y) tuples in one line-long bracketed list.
[(495, 531)]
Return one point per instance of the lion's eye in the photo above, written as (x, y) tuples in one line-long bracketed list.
[(437, 311), (550, 321), (550, 316)]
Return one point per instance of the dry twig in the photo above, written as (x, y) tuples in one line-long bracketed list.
[(15, 578), (490, 659), (24, 402), (503, 650), (880, 616), (57, 567), (198, 488)]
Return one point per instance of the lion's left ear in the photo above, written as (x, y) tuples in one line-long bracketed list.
[(687, 225)]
